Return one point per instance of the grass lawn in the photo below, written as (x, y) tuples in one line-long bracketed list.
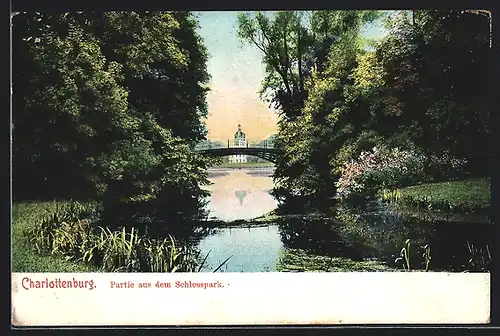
[(245, 165), (463, 196), (24, 258)]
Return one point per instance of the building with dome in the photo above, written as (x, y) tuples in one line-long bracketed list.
[(240, 140)]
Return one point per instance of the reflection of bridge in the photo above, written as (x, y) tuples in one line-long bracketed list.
[(263, 149)]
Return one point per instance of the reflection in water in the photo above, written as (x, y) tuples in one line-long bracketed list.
[(251, 188), (372, 232), (379, 234), (317, 236), (240, 195)]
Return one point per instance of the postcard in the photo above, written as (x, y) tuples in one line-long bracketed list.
[(326, 167)]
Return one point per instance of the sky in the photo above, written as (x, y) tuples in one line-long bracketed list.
[(237, 71)]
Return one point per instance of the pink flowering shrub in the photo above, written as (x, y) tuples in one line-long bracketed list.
[(379, 169)]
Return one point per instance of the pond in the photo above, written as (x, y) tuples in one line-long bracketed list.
[(368, 238)]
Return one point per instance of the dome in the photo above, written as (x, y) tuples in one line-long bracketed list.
[(239, 133)]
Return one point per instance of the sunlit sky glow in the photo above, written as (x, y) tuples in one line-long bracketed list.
[(237, 71)]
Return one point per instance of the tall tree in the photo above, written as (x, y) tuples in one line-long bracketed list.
[(299, 84), (436, 83), (283, 41), (111, 102)]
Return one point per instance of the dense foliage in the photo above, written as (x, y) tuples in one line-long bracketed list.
[(108, 105), (420, 88), (380, 168)]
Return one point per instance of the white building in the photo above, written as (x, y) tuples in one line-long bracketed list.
[(240, 140)]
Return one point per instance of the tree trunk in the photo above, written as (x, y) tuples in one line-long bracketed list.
[(299, 57)]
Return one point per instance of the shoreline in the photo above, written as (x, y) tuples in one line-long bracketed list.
[(253, 165), (220, 169)]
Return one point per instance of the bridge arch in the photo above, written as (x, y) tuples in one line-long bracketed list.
[(269, 154), (262, 150)]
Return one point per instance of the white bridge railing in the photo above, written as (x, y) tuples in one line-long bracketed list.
[(233, 144)]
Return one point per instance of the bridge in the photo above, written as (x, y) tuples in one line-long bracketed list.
[(263, 149)]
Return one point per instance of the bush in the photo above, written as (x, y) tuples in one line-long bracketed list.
[(384, 168), (353, 147), (445, 167)]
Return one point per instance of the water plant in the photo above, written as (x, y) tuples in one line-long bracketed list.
[(427, 256), (480, 258), (62, 233), (404, 255), (298, 260), (390, 195)]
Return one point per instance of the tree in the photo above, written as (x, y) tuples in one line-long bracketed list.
[(435, 77), (284, 41), (66, 96), (305, 85), (97, 100)]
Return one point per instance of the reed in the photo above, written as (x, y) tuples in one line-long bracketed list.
[(427, 256), (391, 196), (480, 257), (404, 256), (63, 233), (479, 261)]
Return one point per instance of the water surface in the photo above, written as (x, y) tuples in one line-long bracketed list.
[(346, 235), (240, 193), (253, 249)]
